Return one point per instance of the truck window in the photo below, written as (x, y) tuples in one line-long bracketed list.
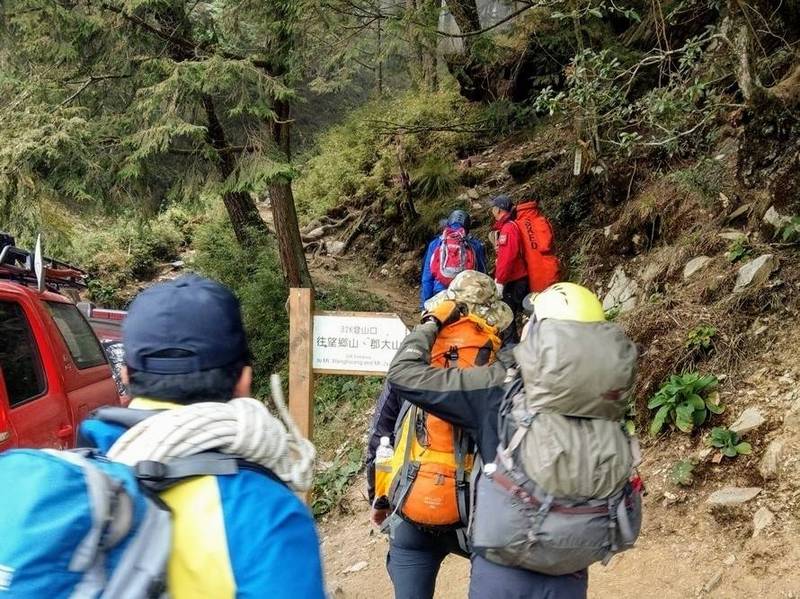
[(78, 335), (19, 358)]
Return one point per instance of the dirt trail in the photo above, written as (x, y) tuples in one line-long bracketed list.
[(679, 554)]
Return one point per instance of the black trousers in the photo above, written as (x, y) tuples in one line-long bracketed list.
[(513, 294), (415, 557), (492, 581)]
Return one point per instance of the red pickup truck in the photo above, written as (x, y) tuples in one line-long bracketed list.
[(53, 370)]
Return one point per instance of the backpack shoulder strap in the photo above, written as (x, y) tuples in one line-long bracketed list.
[(160, 476), (126, 417), (461, 447)]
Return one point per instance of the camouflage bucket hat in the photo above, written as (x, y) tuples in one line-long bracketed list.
[(473, 287), (479, 293)]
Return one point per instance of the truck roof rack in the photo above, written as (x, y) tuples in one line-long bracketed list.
[(18, 264)]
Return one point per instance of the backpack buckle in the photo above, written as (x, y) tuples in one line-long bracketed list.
[(150, 470)]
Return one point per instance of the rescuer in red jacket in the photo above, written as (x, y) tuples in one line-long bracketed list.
[(510, 274), (536, 235)]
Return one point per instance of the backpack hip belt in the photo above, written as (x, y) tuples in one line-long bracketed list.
[(519, 491)]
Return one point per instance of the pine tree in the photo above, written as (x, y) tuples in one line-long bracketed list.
[(141, 102)]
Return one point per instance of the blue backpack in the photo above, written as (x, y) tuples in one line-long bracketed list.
[(75, 525), (79, 526)]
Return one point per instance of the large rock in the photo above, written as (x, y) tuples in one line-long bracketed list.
[(694, 265), (733, 495), (335, 248), (771, 460), (740, 211), (623, 292), (774, 218), (473, 194), (755, 272), (733, 235), (747, 421), (762, 519)]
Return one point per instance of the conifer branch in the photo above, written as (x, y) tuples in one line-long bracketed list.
[(86, 83)]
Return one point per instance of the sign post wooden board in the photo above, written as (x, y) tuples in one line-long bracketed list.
[(350, 343), (356, 343), (301, 376)]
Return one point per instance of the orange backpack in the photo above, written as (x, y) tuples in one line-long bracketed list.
[(433, 459), (537, 247)]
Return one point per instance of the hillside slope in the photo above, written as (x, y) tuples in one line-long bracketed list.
[(634, 252)]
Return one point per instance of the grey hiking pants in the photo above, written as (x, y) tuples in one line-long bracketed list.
[(492, 581), (414, 558)]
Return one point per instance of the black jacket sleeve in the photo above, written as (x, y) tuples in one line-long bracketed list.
[(463, 397), (384, 420)]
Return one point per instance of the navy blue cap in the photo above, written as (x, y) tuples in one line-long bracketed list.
[(458, 218), (184, 326), (503, 202)]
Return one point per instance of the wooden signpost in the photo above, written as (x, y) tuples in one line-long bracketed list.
[(349, 343)]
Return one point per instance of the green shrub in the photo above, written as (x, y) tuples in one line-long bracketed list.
[(347, 294), (359, 158), (739, 250), (254, 275), (333, 482), (685, 401), (342, 405), (728, 442), (789, 232), (121, 252), (436, 177), (682, 473), (701, 338)]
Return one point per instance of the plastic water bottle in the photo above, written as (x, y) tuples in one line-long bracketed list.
[(383, 467)]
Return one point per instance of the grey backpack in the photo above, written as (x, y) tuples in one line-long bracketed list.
[(562, 494)]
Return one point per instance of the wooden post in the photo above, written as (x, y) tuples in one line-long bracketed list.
[(301, 375)]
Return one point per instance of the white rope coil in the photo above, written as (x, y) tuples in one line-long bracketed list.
[(242, 426)]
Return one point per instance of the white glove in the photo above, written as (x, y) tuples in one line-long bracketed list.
[(499, 287)]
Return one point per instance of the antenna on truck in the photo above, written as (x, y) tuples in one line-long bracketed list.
[(38, 268)]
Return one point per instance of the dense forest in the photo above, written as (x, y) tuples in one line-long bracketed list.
[(127, 110)]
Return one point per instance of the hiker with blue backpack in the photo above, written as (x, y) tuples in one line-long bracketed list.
[(451, 252), (189, 493), (555, 487)]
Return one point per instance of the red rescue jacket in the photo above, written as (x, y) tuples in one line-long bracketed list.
[(536, 236), (510, 264)]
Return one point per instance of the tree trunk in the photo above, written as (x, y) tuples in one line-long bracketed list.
[(473, 81), (465, 13), (284, 213), (248, 226), (787, 90), (293, 258), (406, 203)]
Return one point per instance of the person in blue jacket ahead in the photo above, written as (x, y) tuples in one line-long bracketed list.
[(239, 536), (456, 234)]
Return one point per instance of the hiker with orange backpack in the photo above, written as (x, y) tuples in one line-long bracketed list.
[(453, 251), (538, 248), (510, 271), (422, 496), (557, 488)]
